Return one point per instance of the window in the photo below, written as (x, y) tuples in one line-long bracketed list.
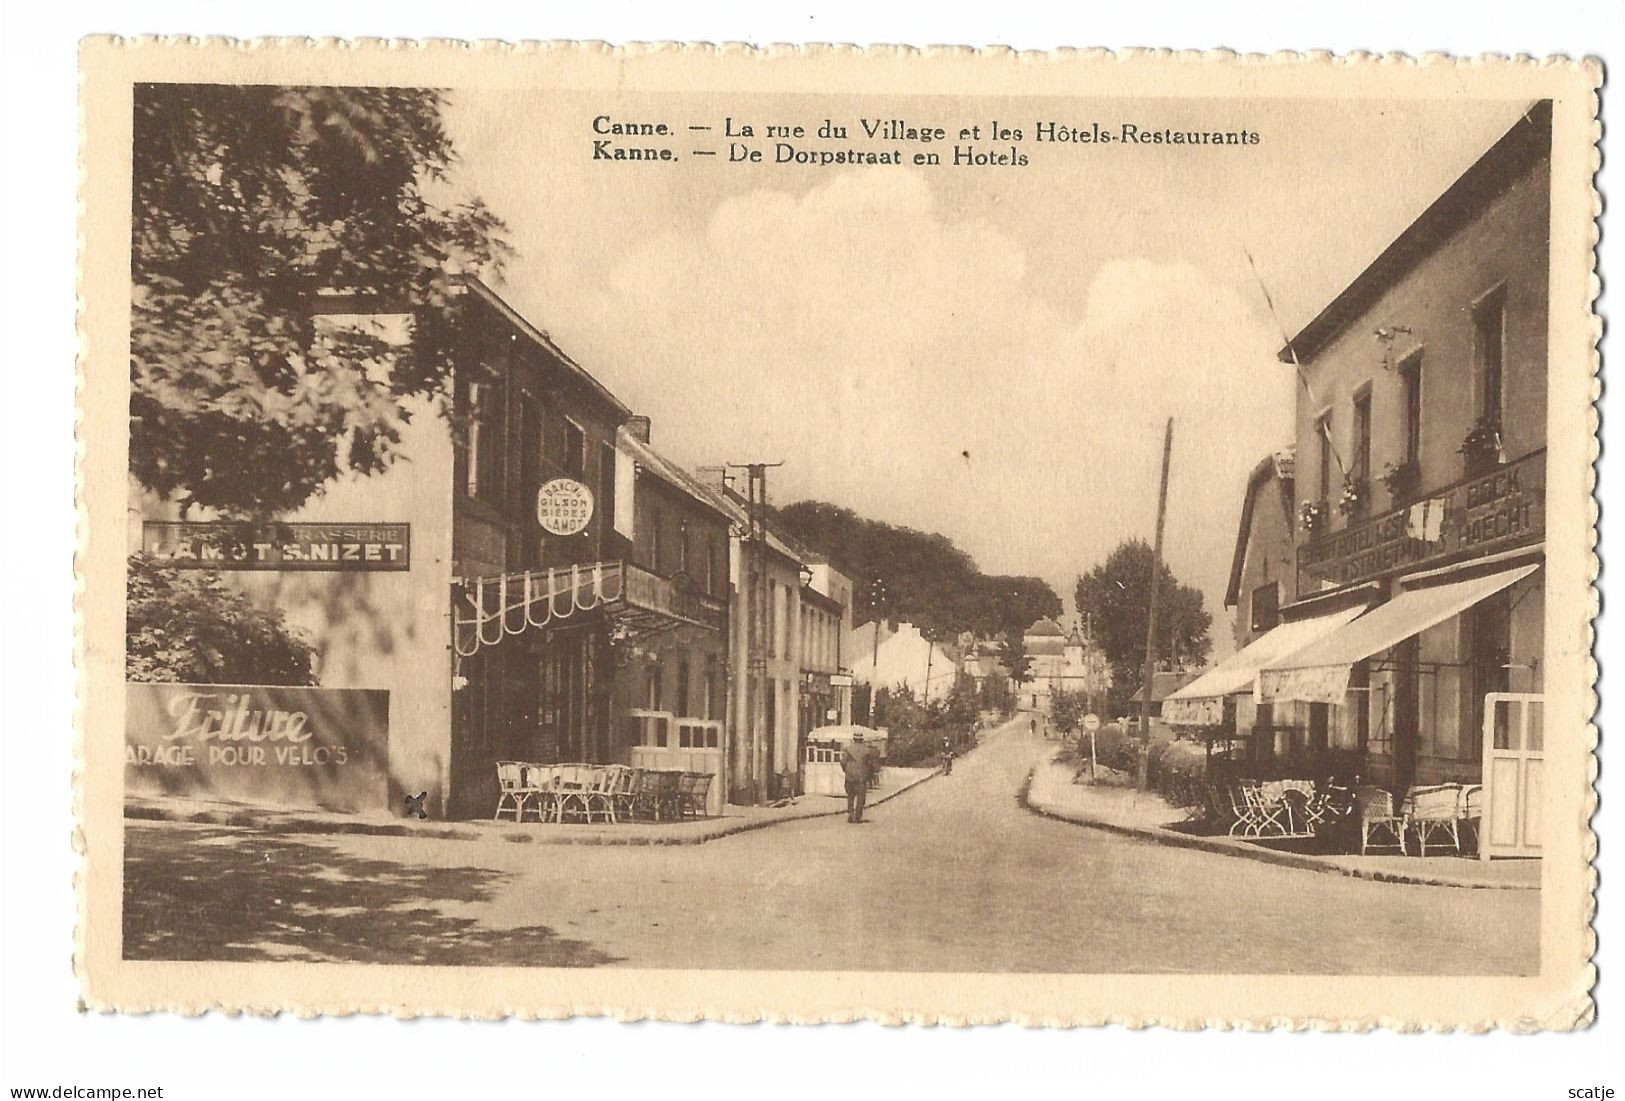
[(575, 450), (485, 449), (606, 494), (654, 540), (682, 688), (1362, 434), (1323, 466), (772, 619), (713, 584), (1487, 642), (713, 686), (651, 687), (1410, 379), (682, 545), (1489, 348), (1266, 606)]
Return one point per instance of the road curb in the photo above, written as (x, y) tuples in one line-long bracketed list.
[(1245, 851), (278, 822)]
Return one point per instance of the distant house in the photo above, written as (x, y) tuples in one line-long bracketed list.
[(887, 656), (1061, 661), (1164, 683)]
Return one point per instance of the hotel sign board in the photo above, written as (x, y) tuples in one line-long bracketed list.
[(290, 546), (1502, 510)]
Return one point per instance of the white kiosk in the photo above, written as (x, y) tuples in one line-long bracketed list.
[(823, 775)]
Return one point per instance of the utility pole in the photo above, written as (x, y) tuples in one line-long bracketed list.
[(756, 627), (1151, 617)]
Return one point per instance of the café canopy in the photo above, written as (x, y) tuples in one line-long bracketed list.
[(1201, 702), (1320, 673)]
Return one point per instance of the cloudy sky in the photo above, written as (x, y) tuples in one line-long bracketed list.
[(988, 352)]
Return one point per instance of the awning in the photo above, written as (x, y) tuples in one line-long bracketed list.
[(1320, 673), (1201, 702)]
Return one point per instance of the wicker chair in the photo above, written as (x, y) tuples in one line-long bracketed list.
[(692, 794), (512, 793), (539, 781), (1375, 807), (1434, 812)]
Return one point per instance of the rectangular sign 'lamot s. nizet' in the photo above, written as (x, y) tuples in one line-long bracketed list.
[(894, 379)]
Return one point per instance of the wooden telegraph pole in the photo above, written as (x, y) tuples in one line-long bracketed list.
[(1151, 618), (758, 622)]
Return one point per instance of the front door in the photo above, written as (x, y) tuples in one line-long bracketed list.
[(1514, 756)]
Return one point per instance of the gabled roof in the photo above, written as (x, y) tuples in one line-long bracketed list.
[(541, 340), (739, 508), (1279, 466), (670, 473), (1529, 141), (1045, 626), (1165, 682)]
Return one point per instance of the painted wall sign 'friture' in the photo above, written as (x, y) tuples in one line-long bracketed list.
[(311, 747), (221, 545), (564, 506)]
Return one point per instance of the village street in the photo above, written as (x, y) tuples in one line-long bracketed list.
[(952, 875)]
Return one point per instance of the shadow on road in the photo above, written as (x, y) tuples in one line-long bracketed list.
[(220, 894)]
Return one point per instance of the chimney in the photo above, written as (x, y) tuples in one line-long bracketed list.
[(638, 427)]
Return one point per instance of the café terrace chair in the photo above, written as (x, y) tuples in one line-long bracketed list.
[(691, 796), (1472, 813), (1268, 806), (512, 792), (627, 790), (539, 781), (1375, 807), (602, 788), (570, 787), (1434, 812), (665, 795), (1245, 820)]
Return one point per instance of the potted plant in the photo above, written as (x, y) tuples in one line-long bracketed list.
[(1352, 501), (1481, 449), (1312, 515), (1402, 480)]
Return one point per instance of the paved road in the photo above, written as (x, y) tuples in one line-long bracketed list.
[(951, 876)]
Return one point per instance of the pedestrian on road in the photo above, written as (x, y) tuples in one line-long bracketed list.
[(947, 755), (1032, 725), (856, 764)]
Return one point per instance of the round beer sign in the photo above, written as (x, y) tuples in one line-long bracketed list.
[(563, 506), (1091, 722)]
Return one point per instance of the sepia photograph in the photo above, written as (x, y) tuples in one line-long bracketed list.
[(717, 523)]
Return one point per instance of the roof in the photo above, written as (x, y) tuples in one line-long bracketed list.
[(541, 340), (1164, 683), (1046, 647), (1526, 143), (739, 508), (670, 473), (1278, 465), (1044, 626)]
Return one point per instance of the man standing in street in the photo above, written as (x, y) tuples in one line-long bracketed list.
[(855, 765), (947, 755)]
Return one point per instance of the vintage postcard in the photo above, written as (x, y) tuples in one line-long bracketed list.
[(816, 533)]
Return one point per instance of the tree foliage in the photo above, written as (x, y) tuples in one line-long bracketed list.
[(1016, 658), (185, 626), (1117, 596), (252, 205), (1067, 709), (928, 581)]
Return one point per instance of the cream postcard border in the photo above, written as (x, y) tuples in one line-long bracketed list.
[(1559, 998)]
